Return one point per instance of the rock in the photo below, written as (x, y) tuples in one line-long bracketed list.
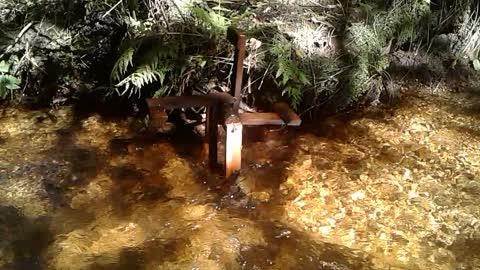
[(246, 184), (262, 197), (423, 152), (390, 154)]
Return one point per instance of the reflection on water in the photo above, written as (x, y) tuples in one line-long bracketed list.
[(398, 191)]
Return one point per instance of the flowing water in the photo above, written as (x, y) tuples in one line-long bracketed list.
[(396, 188)]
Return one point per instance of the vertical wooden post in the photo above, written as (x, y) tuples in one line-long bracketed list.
[(160, 120), (212, 135), (238, 39), (233, 145), (233, 125)]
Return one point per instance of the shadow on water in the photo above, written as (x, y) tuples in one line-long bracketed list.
[(70, 165), (27, 238), (154, 251), (130, 259), (466, 250), (133, 185), (296, 250), (267, 152), (282, 242)]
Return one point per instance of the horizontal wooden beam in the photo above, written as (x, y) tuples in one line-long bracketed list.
[(179, 102), (261, 119), (287, 114), (264, 119)]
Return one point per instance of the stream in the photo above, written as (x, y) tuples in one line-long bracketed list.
[(389, 188)]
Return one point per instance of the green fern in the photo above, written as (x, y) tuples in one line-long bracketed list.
[(158, 54), (4, 67), (141, 77), (144, 63), (151, 59), (123, 63), (295, 93), (289, 76), (214, 23)]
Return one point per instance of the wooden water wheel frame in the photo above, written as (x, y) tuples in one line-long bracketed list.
[(223, 109)]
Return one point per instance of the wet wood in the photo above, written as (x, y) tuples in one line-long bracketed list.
[(212, 137), (286, 114), (222, 108), (221, 98), (238, 39), (233, 145), (168, 103), (261, 119), (158, 116), (234, 36)]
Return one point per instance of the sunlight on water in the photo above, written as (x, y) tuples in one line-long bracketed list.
[(398, 191)]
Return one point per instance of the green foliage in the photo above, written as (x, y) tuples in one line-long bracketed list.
[(141, 77), (288, 75), (151, 59), (147, 62), (212, 22), (370, 43), (123, 63), (8, 82)]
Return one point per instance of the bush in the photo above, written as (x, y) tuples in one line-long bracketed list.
[(8, 82), (370, 44)]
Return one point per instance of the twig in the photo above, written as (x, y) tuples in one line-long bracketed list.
[(24, 30), (111, 9), (263, 77), (184, 34), (165, 17)]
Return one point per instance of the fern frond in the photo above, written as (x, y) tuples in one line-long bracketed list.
[(141, 77), (122, 64), (295, 94), (213, 22), (288, 75), (162, 91), (157, 54)]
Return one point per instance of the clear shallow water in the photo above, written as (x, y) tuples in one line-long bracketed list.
[(85, 191)]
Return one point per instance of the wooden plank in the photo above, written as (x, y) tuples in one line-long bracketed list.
[(178, 102), (261, 119), (233, 146), (287, 114)]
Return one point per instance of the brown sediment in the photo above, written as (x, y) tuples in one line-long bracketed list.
[(390, 189)]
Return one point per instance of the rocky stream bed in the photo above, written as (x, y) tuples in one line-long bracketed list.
[(388, 188)]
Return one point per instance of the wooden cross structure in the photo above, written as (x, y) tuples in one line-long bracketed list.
[(223, 109)]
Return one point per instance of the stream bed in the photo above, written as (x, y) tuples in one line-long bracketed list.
[(393, 188)]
